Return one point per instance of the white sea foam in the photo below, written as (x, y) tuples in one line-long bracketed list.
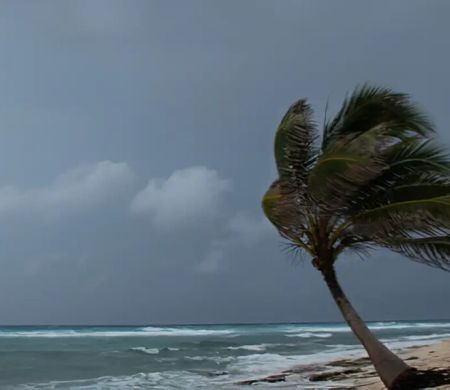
[(154, 380), (397, 344), (428, 336), (148, 351), (215, 359), (138, 332), (179, 380), (257, 347), (265, 363), (402, 343), (341, 328), (310, 334), (411, 325), (154, 331), (170, 380)]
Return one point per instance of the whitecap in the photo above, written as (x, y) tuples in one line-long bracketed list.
[(148, 351), (215, 359), (138, 332), (381, 325), (155, 331), (310, 334), (408, 325), (257, 347), (428, 336)]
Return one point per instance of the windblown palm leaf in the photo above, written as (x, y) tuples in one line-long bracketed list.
[(376, 110), (294, 146), (433, 251), (377, 174)]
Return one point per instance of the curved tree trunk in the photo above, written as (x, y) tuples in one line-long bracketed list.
[(391, 369)]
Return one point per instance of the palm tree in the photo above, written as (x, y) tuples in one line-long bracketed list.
[(377, 179)]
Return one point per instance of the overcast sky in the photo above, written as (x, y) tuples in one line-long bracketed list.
[(136, 141)]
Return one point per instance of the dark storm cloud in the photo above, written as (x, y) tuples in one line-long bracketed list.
[(110, 109)]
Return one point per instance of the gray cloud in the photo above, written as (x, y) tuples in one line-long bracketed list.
[(77, 190), (187, 196)]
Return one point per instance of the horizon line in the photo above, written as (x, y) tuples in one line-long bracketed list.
[(221, 324)]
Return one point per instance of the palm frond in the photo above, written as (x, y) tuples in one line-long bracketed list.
[(286, 214), (417, 191), (411, 163), (295, 150), (338, 176), (353, 242), (294, 251), (419, 153), (419, 215), (432, 251), (373, 107)]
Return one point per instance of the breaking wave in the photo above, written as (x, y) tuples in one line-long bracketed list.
[(136, 332), (147, 351)]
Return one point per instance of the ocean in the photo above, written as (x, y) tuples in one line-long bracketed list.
[(183, 357)]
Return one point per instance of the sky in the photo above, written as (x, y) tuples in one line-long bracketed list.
[(136, 142)]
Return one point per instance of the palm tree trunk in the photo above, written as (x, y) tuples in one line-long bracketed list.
[(391, 369)]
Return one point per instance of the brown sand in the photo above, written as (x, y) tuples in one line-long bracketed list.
[(434, 357)]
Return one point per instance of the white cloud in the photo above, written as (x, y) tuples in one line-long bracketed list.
[(76, 190), (187, 195)]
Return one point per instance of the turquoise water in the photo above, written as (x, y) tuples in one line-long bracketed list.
[(183, 357)]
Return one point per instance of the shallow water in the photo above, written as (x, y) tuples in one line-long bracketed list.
[(182, 357)]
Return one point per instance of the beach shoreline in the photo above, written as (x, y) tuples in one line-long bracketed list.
[(358, 372)]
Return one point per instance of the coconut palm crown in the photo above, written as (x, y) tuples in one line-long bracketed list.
[(375, 179)]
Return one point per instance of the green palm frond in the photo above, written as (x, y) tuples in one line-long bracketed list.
[(285, 214), (270, 203), (420, 215), (417, 191), (337, 176), (416, 153), (295, 150), (433, 251), (372, 107), (411, 163)]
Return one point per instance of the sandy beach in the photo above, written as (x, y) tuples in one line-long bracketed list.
[(358, 373), (432, 357)]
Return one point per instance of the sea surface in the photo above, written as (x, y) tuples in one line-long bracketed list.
[(183, 357)]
